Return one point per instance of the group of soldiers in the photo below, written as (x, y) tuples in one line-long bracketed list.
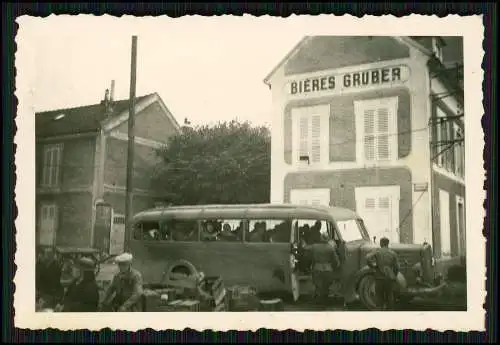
[(124, 294), (325, 261)]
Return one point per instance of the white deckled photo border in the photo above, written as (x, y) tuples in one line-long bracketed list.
[(472, 30)]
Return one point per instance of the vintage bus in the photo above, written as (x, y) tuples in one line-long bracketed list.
[(261, 245)]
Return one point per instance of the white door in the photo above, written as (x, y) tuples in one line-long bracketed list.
[(315, 196), (379, 208), (461, 226), (444, 222), (48, 224), (117, 235)]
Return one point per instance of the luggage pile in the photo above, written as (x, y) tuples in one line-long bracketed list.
[(243, 298), (187, 293)]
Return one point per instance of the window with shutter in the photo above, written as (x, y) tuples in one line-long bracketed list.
[(51, 165), (377, 118), (440, 137), (48, 224), (312, 196), (459, 151), (310, 133)]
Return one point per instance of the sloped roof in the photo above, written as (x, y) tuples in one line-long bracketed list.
[(82, 119), (451, 52)]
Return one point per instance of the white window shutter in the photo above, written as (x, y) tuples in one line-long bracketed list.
[(384, 202), (57, 163), (383, 134), (369, 134), (47, 154), (316, 138), (303, 136)]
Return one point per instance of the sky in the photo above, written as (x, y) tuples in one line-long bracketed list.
[(207, 72), (206, 69)]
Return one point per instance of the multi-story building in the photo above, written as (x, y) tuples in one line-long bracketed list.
[(81, 159), (374, 124)]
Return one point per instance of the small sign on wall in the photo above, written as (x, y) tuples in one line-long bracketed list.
[(420, 187)]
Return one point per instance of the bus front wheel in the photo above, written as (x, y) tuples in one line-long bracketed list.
[(367, 293)]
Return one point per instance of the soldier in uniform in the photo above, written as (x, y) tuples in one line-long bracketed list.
[(82, 294), (385, 262), (325, 261), (126, 291)]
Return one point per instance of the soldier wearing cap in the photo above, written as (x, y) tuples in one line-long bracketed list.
[(126, 291), (82, 294)]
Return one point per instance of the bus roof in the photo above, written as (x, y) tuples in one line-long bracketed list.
[(253, 211)]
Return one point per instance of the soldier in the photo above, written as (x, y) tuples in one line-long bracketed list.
[(385, 262), (126, 291), (82, 294), (324, 263)]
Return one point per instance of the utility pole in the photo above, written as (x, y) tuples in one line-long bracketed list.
[(131, 143)]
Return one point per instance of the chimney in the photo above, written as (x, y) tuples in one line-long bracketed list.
[(112, 92), (106, 96)]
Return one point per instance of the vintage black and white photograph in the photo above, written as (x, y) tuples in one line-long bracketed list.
[(264, 166)]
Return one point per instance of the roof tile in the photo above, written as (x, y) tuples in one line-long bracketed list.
[(78, 119)]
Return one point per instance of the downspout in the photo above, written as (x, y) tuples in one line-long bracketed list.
[(98, 186)]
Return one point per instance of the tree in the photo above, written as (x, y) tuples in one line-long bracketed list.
[(228, 163)]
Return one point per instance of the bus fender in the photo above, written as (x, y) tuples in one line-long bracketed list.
[(182, 265), (360, 274)]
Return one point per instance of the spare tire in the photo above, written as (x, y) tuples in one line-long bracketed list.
[(180, 266)]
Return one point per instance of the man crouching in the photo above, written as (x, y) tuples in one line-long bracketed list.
[(126, 291)]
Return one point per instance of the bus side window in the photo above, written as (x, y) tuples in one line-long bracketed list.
[(222, 230), (182, 230), (310, 230), (147, 231), (268, 231)]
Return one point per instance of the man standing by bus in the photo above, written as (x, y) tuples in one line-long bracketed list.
[(126, 291), (324, 263), (385, 262)]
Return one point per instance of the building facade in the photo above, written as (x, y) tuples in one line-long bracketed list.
[(374, 124), (81, 159)]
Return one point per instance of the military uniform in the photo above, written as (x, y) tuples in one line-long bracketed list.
[(82, 294), (126, 291), (387, 269), (324, 261)]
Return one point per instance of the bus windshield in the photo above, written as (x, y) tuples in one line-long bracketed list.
[(350, 230)]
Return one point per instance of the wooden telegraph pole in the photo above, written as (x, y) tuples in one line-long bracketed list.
[(131, 142)]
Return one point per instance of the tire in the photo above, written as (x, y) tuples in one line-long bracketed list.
[(366, 292), (181, 266)]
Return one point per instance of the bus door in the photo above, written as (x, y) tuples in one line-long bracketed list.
[(294, 260)]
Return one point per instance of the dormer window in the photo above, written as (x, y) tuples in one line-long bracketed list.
[(437, 48), (59, 117)]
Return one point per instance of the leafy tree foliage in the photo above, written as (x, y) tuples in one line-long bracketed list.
[(228, 163)]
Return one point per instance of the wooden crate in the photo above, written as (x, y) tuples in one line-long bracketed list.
[(214, 294)]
